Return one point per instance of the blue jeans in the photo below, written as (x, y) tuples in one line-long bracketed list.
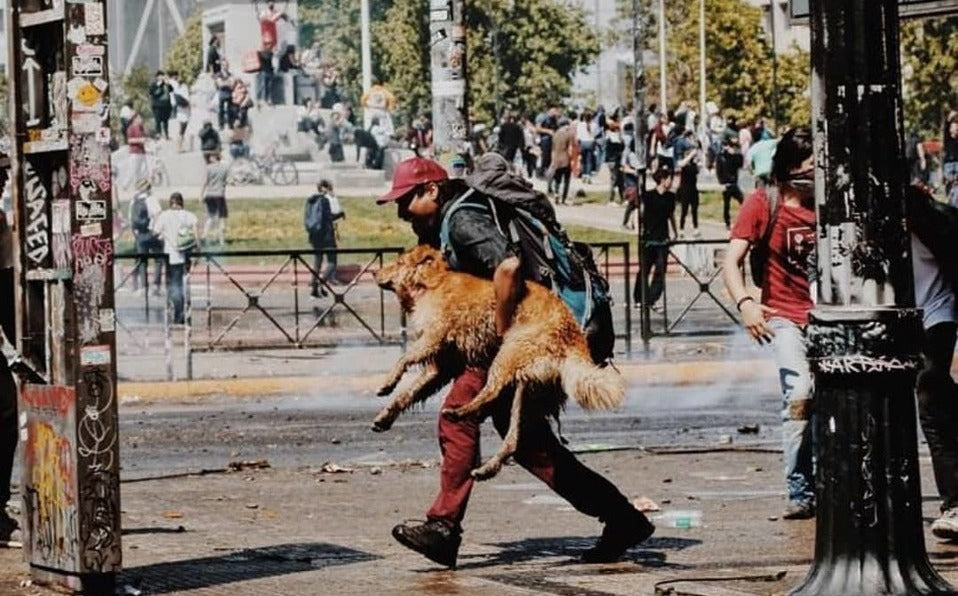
[(174, 291), (789, 345)]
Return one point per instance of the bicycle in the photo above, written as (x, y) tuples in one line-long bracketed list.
[(256, 168)]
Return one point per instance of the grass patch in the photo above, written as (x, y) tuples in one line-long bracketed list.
[(277, 224)]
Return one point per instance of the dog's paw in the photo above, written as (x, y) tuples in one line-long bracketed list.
[(486, 470), (385, 390), (382, 423), (454, 414)]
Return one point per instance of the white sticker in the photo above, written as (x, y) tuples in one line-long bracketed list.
[(93, 19), (94, 355), (92, 229), (107, 320), (77, 34)]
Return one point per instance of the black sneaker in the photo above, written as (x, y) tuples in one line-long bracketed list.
[(10, 534), (799, 510), (432, 539), (619, 536)]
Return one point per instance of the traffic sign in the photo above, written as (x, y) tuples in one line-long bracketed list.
[(798, 9)]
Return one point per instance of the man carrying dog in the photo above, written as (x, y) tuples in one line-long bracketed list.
[(423, 193)]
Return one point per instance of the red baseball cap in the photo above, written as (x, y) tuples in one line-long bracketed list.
[(411, 173)]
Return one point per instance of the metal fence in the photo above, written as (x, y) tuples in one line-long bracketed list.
[(245, 300), (691, 290)]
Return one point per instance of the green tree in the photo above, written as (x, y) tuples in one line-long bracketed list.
[(186, 54), (738, 58), (520, 55), (133, 87), (929, 50)]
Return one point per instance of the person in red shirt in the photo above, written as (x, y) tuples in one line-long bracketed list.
[(783, 215), (136, 141)]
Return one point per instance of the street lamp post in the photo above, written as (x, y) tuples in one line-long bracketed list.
[(640, 132), (865, 335)]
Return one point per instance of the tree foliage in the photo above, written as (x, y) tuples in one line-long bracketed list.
[(186, 53), (740, 64), (930, 71), (519, 54)]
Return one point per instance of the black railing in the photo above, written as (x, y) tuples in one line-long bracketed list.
[(240, 300), (700, 272)]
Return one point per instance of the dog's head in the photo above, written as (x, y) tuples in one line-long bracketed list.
[(414, 271)]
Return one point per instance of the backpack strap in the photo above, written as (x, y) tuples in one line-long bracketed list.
[(445, 246), (774, 206)]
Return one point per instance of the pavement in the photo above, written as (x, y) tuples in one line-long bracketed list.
[(323, 527)]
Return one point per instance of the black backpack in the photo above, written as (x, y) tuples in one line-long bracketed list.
[(140, 216), (549, 257)]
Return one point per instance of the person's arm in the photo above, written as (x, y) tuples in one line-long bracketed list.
[(753, 313), (922, 163), (506, 283), (206, 182)]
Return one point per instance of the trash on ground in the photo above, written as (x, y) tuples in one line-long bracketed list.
[(331, 468), (749, 429), (172, 515), (645, 505), (249, 464), (682, 519)]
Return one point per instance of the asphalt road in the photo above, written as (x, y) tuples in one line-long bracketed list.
[(295, 432)]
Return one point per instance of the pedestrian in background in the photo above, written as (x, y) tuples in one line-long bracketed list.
[(562, 141), (727, 165), (586, 132), (224, 89), (319, 216), (144, 209), (136, 146), (213, 194), (658, 213), (160, 93), (688, 155), (779, 221), (177, 228)]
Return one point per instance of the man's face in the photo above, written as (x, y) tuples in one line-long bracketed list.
[(953, 129), (421, 209)]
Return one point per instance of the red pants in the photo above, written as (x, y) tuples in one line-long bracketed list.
[(539, 451)]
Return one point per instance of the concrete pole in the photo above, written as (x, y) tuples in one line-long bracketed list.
[(450, 107), (865, 335), (663, 61), (365, 43)]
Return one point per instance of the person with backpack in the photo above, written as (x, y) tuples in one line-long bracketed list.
[(319, 217), (177, 228), (485, 226), (144, 208), (160, 92), (777, 223)]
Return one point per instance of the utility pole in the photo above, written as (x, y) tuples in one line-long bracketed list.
[(69, 443), (865, 334), (663, 61), (641, 149), (450, 107), (365, 45), (702, 119)]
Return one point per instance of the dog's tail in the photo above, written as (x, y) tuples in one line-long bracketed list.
[(593, 387)]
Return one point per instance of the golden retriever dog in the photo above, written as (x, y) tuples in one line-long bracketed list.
[(453, 315)]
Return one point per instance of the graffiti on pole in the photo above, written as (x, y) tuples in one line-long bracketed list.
[(48, 434), (36, 229), (447, 39)]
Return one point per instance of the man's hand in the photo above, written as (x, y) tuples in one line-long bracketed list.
[(753, 316), (506, 280)]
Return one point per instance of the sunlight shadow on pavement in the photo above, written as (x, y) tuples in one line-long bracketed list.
[(243, 565)]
